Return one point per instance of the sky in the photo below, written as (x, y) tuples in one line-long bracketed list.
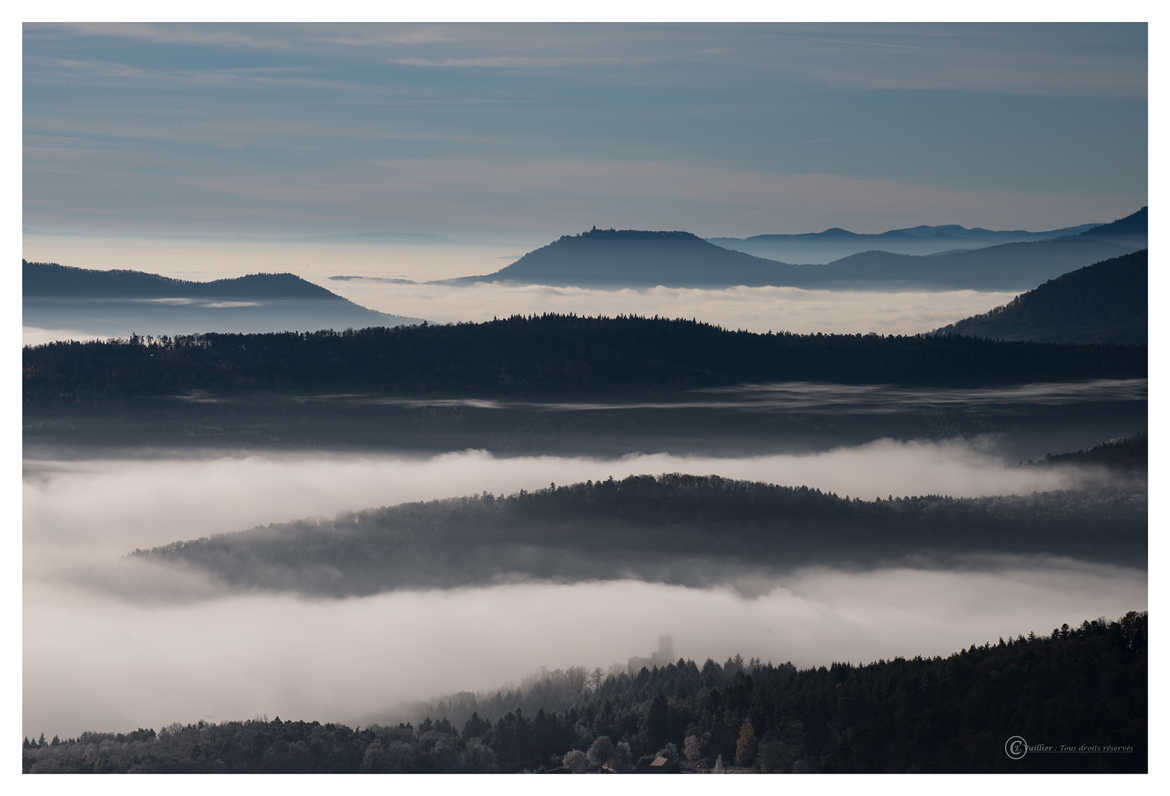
[(358, 140)]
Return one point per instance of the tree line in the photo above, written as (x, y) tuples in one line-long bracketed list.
[(680, 529), (1083, 687), (545, 355)]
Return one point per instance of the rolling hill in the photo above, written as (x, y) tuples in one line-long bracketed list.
[(545, 357), (121, 302), (1133, 230), (608, 258), (623, 257), (835, 243), (696, 531), (1102, 303)]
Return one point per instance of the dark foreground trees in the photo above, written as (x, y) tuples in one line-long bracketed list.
[(548, 355), (1082, 688)]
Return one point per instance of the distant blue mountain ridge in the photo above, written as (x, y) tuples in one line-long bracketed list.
[(118, 303), (643, 258)]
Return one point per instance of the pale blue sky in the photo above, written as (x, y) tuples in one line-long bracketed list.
[(519, 133)]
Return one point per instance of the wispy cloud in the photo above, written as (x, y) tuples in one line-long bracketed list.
[(536, 130)]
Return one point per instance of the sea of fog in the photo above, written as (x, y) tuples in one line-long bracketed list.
[(757, 309), (113, 644)]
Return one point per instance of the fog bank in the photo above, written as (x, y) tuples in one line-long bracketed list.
[(92, 662), (98, 510), (113, 644), (758, 309)]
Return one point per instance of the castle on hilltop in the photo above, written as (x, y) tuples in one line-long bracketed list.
[(660, 657)]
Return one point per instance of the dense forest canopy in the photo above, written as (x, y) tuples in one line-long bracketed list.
[(1130, 455), (679, 529), (1102, 303), (1079, 687), (547, 355)]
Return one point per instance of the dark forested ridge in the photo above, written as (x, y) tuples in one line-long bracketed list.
[(1129, 455), (1134, 229), (1006, 266), (1083, 688), (1102, 303), (549, 355), (678, 529)]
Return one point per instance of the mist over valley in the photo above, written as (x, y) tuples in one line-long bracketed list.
[(584, 398)]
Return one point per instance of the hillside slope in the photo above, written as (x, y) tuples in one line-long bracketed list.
[(678, 529), (121, 302), (51, 279), (635, 258), (1086, 682), (1007, 266), (1102, 303), (1133, 230), (609, 257), (836, 243), (548, 356)]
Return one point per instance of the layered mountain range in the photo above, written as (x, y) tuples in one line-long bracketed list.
[(641, 258), (121, 302)]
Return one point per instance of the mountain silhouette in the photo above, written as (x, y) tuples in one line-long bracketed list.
[(1006, 266), (639, 258), (121, 302), (617, 257), (1134, 229), (51, 279), (835, 243), (1102, 303)]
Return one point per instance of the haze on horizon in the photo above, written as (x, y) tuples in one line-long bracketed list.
[(429, 151)]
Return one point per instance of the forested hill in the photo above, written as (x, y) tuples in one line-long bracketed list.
[(1134, 227), (678, 529), (1102, 303), (1130, 455), (123, 303), (61, 281), (615, 257), (1080, 686), (550, 355), (1007, 266)]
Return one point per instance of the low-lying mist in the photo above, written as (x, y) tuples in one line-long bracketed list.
[(74, 509), (113, 644), (95, 662), (758, 309)]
